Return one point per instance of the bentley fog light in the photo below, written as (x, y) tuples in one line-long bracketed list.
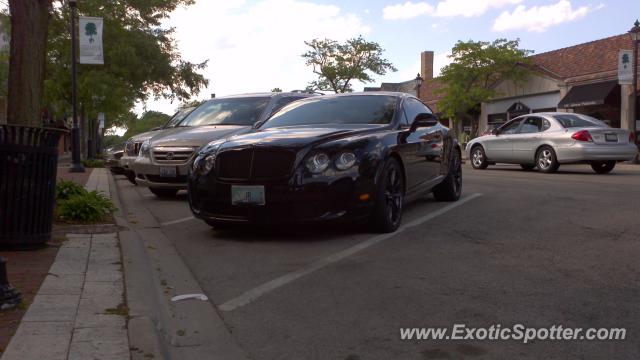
[(345, 160), (318, 163)]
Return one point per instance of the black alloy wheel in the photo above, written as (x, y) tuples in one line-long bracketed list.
[(387, 212)]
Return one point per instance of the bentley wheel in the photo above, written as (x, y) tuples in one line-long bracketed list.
[(603, 167), (546, 160), (450, 188), (478, 158), (163, 192), (387, 212)]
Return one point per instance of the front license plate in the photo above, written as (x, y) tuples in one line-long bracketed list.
[(611, 137), (247, 195), (168, 171)]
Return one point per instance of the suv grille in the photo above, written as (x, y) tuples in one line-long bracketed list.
[(172, 155), (255, 163)]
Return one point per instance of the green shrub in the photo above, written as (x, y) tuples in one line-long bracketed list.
[(93, 163), (68, 189), (89, 207)]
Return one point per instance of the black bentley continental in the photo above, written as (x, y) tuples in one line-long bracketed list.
[(350, 157)]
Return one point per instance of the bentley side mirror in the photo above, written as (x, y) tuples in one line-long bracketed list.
[(424, 120)]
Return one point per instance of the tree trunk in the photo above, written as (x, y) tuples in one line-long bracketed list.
[(29, 27)]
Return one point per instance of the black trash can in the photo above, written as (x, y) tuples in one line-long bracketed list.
[(28, 165)]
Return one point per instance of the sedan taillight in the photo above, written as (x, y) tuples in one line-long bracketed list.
[(582, 135), (632, 138)]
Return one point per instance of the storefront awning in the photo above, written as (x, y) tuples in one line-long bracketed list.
[(590, 94)]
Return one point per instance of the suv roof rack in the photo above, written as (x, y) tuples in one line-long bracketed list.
[(306, 92)]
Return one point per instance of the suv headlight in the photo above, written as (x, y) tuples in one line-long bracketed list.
[(345, 160), (145, 149), (318, 163)]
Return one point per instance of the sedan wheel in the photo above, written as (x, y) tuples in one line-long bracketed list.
[(603, 167), (546, 160), (387, 212), (450, 188), (478, 158)]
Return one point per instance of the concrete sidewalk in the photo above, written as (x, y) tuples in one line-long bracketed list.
[(79, 311)]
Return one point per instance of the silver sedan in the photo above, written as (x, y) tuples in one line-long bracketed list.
[(546, 140)]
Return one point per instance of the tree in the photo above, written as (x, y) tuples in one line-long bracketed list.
[(476, 69), (276, 89), (29, 23), (338, 64), (148, 121), (90, 29), (141, 61)]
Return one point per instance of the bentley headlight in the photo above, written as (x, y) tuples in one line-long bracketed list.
[(318, 163), (345, 160), (209, 163), (144, 149)]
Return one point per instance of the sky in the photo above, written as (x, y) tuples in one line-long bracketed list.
[(256, 45)]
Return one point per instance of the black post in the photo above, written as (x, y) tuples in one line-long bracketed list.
[(9, 296), (76, 164), (636, 30)]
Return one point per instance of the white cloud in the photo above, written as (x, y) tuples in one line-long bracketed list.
[(407, 10), (540, 18), (445, 8), (470, 8), (252, 46), (441, 60)]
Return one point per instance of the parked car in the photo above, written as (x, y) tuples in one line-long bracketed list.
[(344, 157), (133, 144), (546, 140), (163, 161), (112, 158)]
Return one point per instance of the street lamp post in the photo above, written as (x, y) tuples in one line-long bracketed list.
[(418, 81), (635, 36), (76, 164)]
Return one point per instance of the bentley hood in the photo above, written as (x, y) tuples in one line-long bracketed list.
[(299, 136)]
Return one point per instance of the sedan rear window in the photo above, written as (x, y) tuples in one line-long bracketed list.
[(577, 121), (232, 111), (354, 109)]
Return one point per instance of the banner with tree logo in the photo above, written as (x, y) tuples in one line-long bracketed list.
[(90, 30)]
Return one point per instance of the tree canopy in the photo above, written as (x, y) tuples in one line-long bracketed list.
[(148, 121), (141, 60), (337, 65), (476, 68)]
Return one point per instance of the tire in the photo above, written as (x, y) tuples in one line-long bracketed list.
[(450, 188), (528, 167), (387, 210), (546, 160), (163, 193), (131, 176), (478, 158), (603, 167)]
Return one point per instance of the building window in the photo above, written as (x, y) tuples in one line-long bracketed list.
[(545, 110)]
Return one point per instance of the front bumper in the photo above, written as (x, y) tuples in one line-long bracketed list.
[(148, 174), (580, 152), (336, 199)]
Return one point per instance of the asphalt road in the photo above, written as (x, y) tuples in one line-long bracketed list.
[(520, 247)]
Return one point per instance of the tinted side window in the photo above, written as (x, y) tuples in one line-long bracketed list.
[(413, 107), (510, 127), (531, 125), (280, 103)]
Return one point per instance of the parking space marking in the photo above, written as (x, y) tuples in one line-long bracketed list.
[(269, 286), (173, 222)]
